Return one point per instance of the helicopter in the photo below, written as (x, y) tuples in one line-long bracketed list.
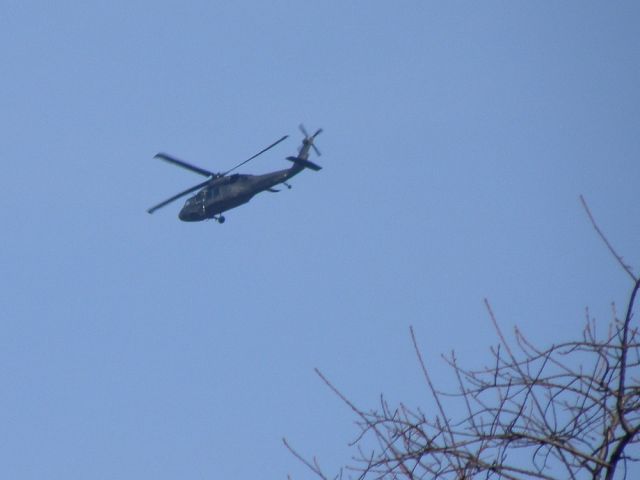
[(222, 192)]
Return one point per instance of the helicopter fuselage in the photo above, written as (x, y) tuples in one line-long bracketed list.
[(225, 193)]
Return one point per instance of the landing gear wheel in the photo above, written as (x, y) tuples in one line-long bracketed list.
[(221, 219)]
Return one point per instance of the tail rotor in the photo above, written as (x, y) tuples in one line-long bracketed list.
[(308, 139)]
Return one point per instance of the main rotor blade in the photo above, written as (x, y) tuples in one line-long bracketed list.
[(188, 166), (259, 153), (175, 197)]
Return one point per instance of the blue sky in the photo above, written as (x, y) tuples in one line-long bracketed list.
[(458, 138)]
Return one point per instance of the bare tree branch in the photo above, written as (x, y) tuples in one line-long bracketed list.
[(568, 410)]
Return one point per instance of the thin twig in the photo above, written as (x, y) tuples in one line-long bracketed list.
[(619, 259)]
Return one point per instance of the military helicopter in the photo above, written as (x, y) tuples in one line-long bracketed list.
[(222, 192)]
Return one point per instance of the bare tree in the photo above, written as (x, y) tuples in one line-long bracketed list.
[(568, 411)]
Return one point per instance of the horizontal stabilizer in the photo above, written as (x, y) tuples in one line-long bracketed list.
[(304, 163)]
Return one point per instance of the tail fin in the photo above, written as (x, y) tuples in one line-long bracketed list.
[(302, 159)]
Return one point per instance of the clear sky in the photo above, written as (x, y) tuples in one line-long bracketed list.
[(457, 139)]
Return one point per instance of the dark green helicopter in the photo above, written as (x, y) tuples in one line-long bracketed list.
[(222, 192)]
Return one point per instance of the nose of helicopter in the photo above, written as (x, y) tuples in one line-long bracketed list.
[(187, 215)]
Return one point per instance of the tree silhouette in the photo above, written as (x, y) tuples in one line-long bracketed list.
[(565, 411)]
